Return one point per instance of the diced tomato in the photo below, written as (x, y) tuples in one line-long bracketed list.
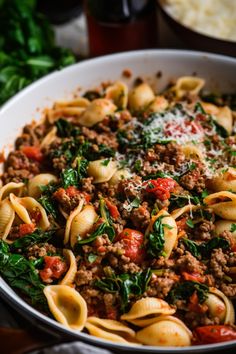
[(25, 229), (160, 187), (181, 224), (72, 191), (54, 267), (214, 334), (132, 241), (33, 152), (112, 313), (188, 127), (193, 277), (114, 212), (194, 304)]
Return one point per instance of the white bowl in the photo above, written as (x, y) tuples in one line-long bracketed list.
[(219, 72)]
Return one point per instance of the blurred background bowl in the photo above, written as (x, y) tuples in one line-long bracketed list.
[(194, 39)]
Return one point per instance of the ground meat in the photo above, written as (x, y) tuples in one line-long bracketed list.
[(110, 302), (194, 180), (87, 185), (36, 251), (160, 287), (19, 167), (83, 277), (107, 138), (129, 267), (67, 202), (170, 153), (218, 263), (59, 163), (132, 188), (227, 235), (229, 289), (188, 263), (203, 231), (140, 216)]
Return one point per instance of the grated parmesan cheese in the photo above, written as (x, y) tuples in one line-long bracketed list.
[(216, 18)]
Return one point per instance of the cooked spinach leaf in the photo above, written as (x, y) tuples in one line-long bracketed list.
[(155, 239), (38, 236), (66, 129), (205, 248), (47, 201), (126, 285), (21, 274), (185, 290)]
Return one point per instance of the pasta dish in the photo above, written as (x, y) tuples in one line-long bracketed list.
[(118, 214)]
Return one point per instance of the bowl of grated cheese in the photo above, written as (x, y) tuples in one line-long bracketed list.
[(203, 24)]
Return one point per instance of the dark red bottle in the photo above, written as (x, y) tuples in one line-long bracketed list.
[(120, 25)]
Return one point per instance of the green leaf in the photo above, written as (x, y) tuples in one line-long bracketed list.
[(65, 129), (126, 285), (135, 203), (155, 239), (105, 162), (69, 177), (205, 248), (21, 274), (47, 201), (198, 108), (233, 228), (185, 290), (38, 236), (92, 257), (190, 223)]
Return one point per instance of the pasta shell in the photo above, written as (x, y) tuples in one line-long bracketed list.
[(166, 331), (56, 113), (223, 180), (70, 274), (192, 152), (225, 118), (101, 171), (77, 102), (7, 215), (223, 204), (12, 187), (76, 211), (82, 223), (170, 230), (159, 104), (43, 179), (49, 138), (109, 329), (96, 111), (120, 175), (142, 310), (24, 206), (67, 306), (224, 225), (118, 93), (220, 306), (140, 97), (188, 85), (186, 209)]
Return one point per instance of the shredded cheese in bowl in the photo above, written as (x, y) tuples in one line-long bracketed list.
[(215, 18)]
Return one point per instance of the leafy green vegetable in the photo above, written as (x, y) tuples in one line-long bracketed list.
[(66, 129), (104, 228), (71, 176), (190, 223), (198, 108), (92, 257), (205, 248), (126, 285), (135, 203), (38, 236), (105, 162), (185, 290), (156, 238), (47, 201), (21, 274), (27, 49), (233, 228)]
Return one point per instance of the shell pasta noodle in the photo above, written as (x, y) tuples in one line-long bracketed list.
[(121, 220)]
